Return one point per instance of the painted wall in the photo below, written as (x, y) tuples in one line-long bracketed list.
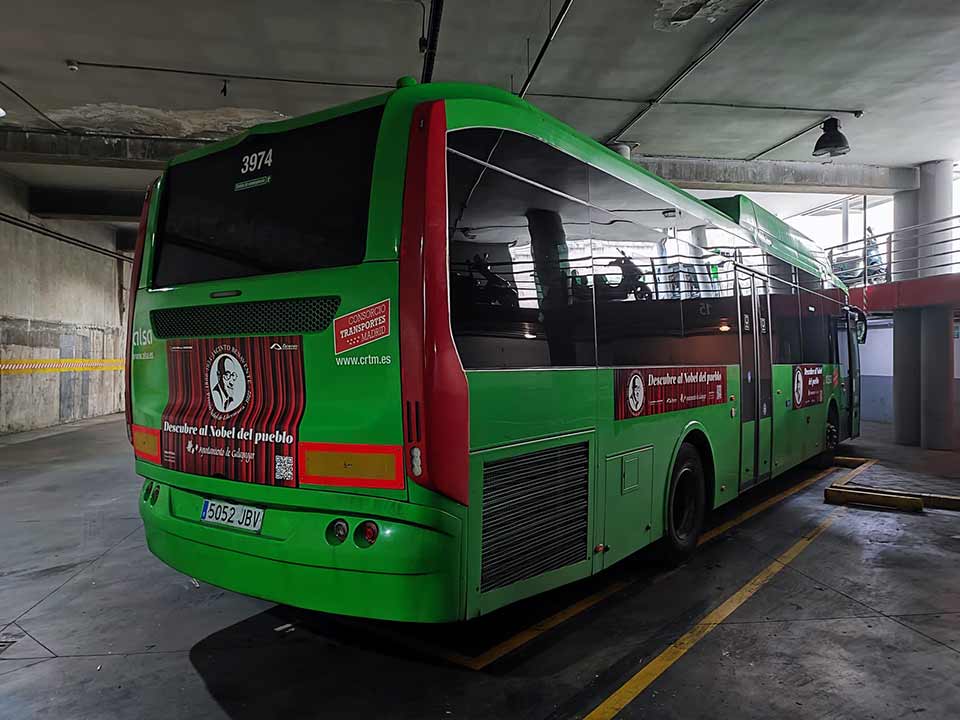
[(57, 301), (876, 368)]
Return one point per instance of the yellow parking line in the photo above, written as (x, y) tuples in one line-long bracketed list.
[(866, 465), (29, 366), (534, 631), (766, 504), (660, 664)]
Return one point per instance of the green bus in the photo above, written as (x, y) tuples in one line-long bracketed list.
[(421, 356)]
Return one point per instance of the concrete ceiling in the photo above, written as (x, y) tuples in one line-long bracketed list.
[(894, 59)]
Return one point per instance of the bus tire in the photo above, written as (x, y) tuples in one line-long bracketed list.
[(831, 439), (686, 506)]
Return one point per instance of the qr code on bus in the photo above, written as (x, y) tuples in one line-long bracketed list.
[(283, 468)]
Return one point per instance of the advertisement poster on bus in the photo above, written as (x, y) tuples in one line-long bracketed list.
[(655, 390), (234, 409), (807, 385)]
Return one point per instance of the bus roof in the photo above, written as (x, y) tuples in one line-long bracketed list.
[(737, 214)]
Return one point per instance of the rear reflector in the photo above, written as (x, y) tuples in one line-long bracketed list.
[(146, 443), (348, 465)]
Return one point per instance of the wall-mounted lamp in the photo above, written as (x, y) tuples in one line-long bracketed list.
[(832, 142)]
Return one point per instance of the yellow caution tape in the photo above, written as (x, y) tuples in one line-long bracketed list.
[(28, 366)]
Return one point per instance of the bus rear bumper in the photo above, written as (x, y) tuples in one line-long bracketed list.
[(411, 573)]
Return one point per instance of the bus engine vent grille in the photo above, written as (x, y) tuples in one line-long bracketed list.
[(534, 514), (264, 317)]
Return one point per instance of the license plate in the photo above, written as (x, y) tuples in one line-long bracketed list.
[(242, 517)]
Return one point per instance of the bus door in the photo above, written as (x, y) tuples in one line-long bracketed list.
[(756, 424), (853, 382), (842, 337)]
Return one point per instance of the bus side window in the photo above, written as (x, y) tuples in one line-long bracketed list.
[(636, 275), (813, 320), (520, 291), (785, 323)]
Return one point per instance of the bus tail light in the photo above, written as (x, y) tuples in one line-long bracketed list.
[(434, 386), (367, 533), (131, 302)]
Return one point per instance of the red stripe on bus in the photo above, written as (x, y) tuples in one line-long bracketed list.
[(394, 483), (155, 432)]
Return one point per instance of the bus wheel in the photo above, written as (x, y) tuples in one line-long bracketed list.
[(685, 506), (831, 440)]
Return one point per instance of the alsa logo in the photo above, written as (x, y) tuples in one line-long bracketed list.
[(283, 346), (142, 336)]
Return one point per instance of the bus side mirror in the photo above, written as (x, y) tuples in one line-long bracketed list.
[(861, 325)]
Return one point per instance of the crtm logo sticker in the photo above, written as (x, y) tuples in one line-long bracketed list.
[(361, 327), (228, 386)]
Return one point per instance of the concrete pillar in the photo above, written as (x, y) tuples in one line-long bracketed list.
[(936, 378), (906, 376), (904, 256), (935, 202)]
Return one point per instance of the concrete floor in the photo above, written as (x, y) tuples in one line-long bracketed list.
[(864, 623)]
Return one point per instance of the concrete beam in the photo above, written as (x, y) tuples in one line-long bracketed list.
[(38, 146), (781, 176), (95, 205)]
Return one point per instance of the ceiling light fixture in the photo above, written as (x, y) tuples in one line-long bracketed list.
[(832, 142), (72, 66), (2, 112)]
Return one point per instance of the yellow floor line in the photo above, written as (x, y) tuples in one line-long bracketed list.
[(766, 504), (853, 473), (631, 689), (534, 631)]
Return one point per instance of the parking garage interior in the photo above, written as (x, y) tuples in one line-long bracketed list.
[(828, 590)]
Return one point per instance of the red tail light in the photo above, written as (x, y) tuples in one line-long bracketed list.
[(434, 385), (131, 301)]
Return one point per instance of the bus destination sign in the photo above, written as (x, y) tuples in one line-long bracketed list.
[(655, 390)]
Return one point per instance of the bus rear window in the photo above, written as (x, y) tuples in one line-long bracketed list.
[(283, 202)]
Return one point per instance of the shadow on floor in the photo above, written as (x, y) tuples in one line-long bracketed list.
[(285, 661)]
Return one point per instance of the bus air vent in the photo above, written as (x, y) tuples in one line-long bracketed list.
[(534, 514), (265, 317)]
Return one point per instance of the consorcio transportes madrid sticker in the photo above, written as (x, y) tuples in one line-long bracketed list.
[(361, 327)]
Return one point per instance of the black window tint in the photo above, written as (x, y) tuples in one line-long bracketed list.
[(295, 200), (785, 323), (809, 281), (524, 156), (710, 317), (779, 269), (638, 275), (836, 318), (813, 325), (519, 268)]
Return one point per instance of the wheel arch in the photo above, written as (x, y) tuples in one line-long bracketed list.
[(696, 434)]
